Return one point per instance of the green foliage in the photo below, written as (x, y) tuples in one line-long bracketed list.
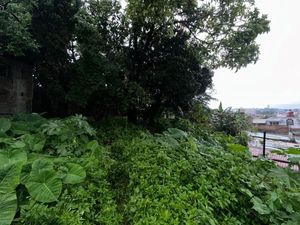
[(45, 187), (5, 124), (175, 179), (10, 178), (225, 120), (99, 35), (8, 207), (125, 175), (15, 20), (68, 136), (75, 174), (293, 155), (43, 183), (294, 151), (36, 177), (52, 26), (236, 148), (126, 53), (144, 58)]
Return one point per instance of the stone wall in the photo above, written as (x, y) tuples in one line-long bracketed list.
[(15, 87)]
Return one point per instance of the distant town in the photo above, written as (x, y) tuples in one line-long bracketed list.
[(274, 120)]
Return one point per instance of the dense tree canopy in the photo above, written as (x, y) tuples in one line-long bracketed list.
[(53, 26), (15, 19), (135, 58)]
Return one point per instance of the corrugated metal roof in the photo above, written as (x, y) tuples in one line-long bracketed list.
[(275, 120), (259, 121)]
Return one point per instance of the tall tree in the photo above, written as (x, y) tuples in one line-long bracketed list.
[(173, 40), (53, 25), (99, 40), (140, 59)]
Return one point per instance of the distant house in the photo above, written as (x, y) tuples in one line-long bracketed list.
[(276, 121), (259, 122), (281, 124), (15, 86)]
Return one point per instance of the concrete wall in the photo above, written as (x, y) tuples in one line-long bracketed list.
[(273, 129), (15, 88)]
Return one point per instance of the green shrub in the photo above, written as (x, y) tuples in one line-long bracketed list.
[(237, 148), (122, 174)]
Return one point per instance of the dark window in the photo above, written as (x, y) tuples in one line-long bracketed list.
[(289, 122), (274, 123), (5, 70)]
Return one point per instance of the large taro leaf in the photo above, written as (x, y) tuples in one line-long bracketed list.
[(45, 186), (39, 165), (26, 123), (5, 125), (8, 207), (10, 177), (76, 174), (9, 157), (35, 165)]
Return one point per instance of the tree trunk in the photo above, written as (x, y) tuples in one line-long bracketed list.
[(132, 115)]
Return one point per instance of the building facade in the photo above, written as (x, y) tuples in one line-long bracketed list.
[(16, 86)]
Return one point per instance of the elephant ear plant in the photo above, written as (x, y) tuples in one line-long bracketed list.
[(41, 177)]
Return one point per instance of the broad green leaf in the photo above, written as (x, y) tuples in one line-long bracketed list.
[(7, 141), (247, 192), (37, 156), (34, 143), (259, 206), (40, 165), (92, 145), (176, 133), (76, 174), (8, 207), (44, 186), (20, 128), (8, 157), (18, 144), (38, 146), (9, 177), (282, 174), (25, 173), (5, 125)]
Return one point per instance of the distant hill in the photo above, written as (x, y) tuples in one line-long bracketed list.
[(287, 106)]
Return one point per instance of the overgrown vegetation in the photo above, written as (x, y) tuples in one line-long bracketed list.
[(66, 172), (145, 61)]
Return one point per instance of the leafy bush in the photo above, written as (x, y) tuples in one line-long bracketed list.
[(175, 179), (236, 148), (225, 120), (39, 167), (122, 174)]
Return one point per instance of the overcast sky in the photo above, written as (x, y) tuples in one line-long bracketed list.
[(275, 78)]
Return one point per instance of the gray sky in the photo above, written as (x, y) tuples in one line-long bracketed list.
[(275, 78)]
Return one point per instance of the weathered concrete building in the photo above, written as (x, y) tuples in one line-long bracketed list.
[(16, 87)]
